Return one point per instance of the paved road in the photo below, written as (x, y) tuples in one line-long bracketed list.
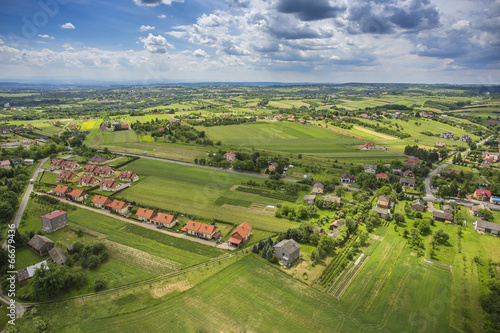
[(201, 166), (24, 201), (428, 192), (64, 127), (144, 224)]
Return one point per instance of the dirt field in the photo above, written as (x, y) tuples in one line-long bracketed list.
[(338, 130), (167, 288), (380, 135)]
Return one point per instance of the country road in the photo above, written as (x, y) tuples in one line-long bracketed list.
[(201, 166), (428, 180)]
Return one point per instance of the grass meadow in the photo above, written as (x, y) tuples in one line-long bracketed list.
[(196, 191)]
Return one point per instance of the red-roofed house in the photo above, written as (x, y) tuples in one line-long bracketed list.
[(61, 190), (240, 235), (88, 180), (230, 157), (69, 165), (54, 221), (412, 160), (163, 219), (483, 195), (67, 177), (382, 176), (89, 169), (367, 146), (73, 126), (408, 173), (55, 163), (440, 145), (118, 207), (144, 214), (104, 172), (101, 201), (200, 230), (128, 176), (124, 127), (109, 185), (77, 195)]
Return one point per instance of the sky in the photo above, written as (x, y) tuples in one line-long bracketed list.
[(317, 41)]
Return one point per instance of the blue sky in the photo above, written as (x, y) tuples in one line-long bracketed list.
[(420, 41)]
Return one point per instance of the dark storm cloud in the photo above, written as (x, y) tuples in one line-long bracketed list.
[(307, 10), (422, 18)]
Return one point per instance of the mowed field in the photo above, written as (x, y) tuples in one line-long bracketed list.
[(398, 292), (246, 296), (194, 190)]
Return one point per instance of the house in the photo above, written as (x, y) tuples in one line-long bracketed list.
[(309, 199), (69, 165), (287, 251), (347, 179), (24, 275), (88, 169), (383, 212), (407, 182), (42, 138), (73, 126), (383, 202), (67, 177), (318, 188), (88, 180), (104, 172), (118, 207), (367, 146), (331, 198), (164, 220), (5, 164), (495, 200), (440, 145), (17, 160), (465, 138), (474, 210), (370, 168), (41, 245), (272, 166), (57, 256), (55, 163), (97, 159), (101, 201), (77, 195), (230, 157), (448, 209), (334, 233), (124, 127), (442, 216), (382, 176), (491, 157), (29, 161), (336, 224), (61, 190), (482, 195), (452, 172), (412, 160), (201, 230), (418, 205), (54, 221), (485, 226), (56, 123), (144, 214), (4, 130), (128, 176), (448, 136), (408, 174), (109, 185), (240, 235), (397, 172)]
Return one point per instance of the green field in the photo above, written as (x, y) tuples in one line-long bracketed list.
[(193, 190)]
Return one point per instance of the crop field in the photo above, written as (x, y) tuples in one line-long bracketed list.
[(194, 190), (247, 295), (88, 125), (399, 292), (44, 127)]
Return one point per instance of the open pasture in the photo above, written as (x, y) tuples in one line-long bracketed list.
[(194, 190)]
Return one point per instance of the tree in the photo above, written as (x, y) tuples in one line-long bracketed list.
[(326, 243), (99, 284), (440, 236), (350, 224), (255, 248), (280, 236), (399, 218), (486, 214), (6, 212)]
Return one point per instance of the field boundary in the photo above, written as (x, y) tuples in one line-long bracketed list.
[(343, 281)]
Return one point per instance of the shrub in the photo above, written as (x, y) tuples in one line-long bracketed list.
[(99, 284)]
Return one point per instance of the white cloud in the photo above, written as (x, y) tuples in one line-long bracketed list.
[(162, 16), (200, 53), (155, 44), (67, 25), (45, 36), (146, 27)]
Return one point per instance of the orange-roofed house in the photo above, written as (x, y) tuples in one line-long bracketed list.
[(144, 214), (164, 220), (61, 190), (382, 176), (104, 172), (89, 169), (88, 180), (440, 145), (67, 177), (483, 195), (128, 176), (70, 165), (55, 163), (118, 207), (101, 201), (77, 195), (240, 235), (109, 185), (201, 230)]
